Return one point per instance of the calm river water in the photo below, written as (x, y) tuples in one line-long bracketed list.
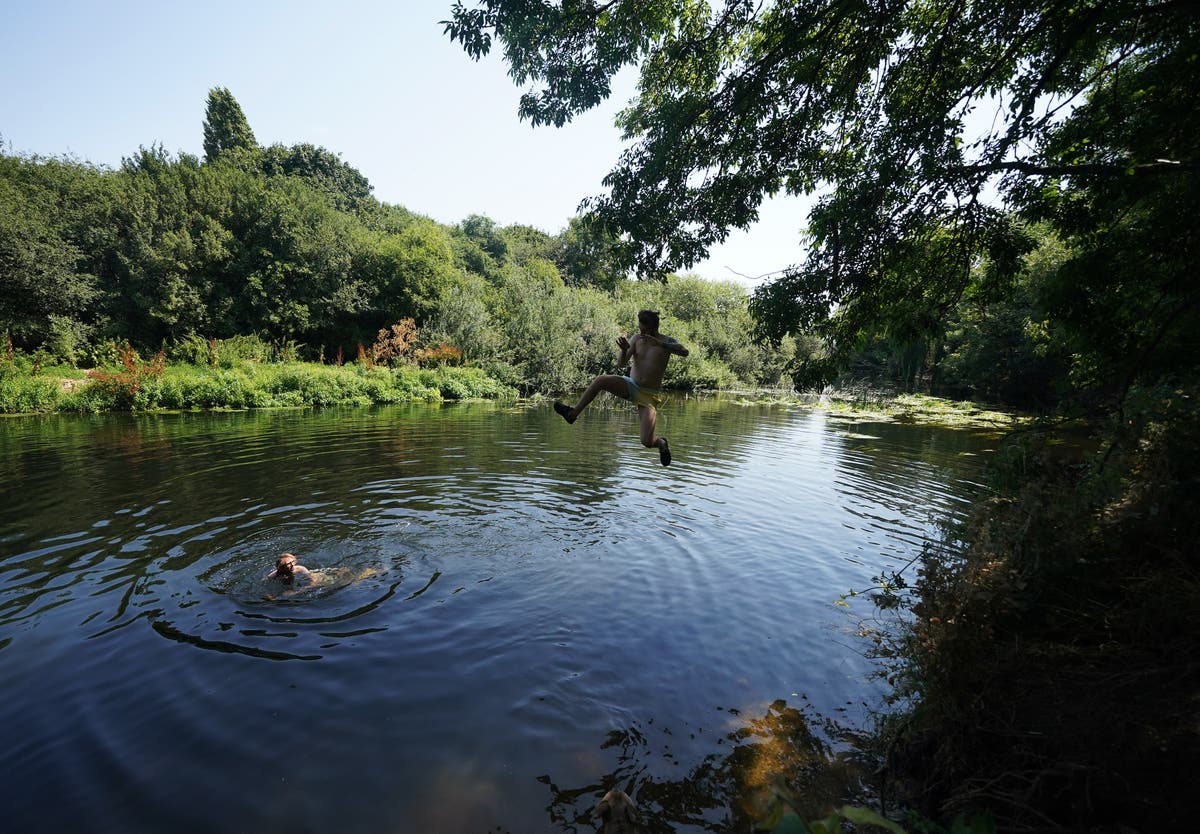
[(514, 614)]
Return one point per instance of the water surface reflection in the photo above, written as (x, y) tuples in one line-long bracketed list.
[(785, 750)]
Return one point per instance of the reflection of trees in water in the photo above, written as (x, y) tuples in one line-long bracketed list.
[(723, 792), (711, 428), (903, 465)]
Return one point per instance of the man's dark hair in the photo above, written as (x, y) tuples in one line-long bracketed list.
[(648, 318)]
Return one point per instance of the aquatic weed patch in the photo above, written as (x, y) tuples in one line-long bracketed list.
[(908, 408), (923, 409)]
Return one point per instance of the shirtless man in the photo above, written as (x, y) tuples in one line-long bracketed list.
[(648, 352)]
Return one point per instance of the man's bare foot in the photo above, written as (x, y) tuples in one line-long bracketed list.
[(664, 451), (564, 412)]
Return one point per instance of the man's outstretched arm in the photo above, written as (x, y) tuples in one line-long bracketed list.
[(673, 346)]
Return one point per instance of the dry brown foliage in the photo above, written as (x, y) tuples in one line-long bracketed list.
[(395, 343), (129, 382), (440, 354)]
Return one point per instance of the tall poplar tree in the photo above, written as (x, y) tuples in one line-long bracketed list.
[(225, 125)]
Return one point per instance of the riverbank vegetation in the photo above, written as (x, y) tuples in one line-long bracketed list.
[(137, 384), (1042, 256), (270, 254), (1047, 665)]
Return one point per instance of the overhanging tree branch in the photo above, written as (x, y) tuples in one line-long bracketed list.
[(1158, 167)]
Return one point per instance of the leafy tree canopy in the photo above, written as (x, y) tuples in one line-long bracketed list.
[(325, 171), (874, 106), (588, 254)]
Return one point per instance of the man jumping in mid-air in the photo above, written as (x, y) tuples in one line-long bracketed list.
[(648, 352)]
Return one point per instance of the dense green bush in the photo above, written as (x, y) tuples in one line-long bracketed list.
[(699, 372), (226, 353), (463, 384), (26, 394), (90, 399)]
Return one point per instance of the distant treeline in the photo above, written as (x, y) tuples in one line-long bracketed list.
[(288, 244)]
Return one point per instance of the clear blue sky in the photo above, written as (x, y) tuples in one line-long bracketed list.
[(373, 80)]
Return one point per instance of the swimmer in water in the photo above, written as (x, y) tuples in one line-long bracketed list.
[(288, 571)]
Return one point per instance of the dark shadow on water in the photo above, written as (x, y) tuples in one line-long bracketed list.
[(436, 575), (722, 792), (172, 633)]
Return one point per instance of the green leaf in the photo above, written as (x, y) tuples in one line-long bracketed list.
[(865, 816), (832, 824), (791, 824), (771, 823)]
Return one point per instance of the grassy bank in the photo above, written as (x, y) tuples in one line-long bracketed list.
[(146, 386)]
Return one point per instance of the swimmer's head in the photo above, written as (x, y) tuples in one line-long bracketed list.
[(285, 566)]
